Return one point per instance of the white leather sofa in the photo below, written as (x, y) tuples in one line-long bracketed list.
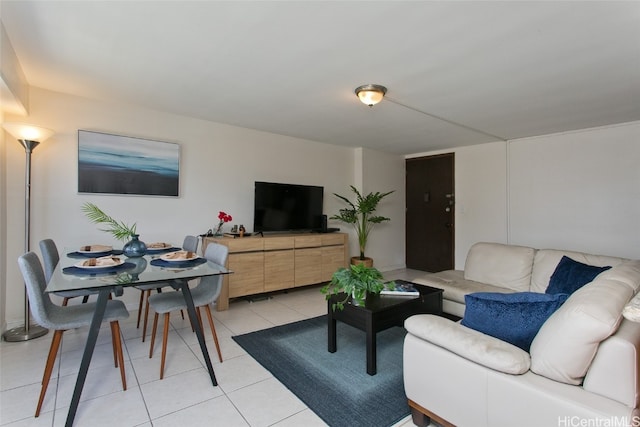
[(582, 368)]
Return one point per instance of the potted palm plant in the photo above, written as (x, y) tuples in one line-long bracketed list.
[(361, 214), (355, 281)]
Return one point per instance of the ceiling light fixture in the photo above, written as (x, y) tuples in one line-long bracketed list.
[(370, 94)]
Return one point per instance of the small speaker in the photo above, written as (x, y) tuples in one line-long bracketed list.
[(323, 223)]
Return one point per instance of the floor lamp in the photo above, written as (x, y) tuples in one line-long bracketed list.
[(29, 137)]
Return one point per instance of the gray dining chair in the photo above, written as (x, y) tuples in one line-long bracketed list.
[(190, 243), (204, 294), (51, 257), (61, 318)]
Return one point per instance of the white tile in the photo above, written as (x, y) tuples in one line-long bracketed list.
[(266, 402), (239, 372), (20, 403), (122, 409), (100, 381), (214, 412), (179, 391), (306, 418)]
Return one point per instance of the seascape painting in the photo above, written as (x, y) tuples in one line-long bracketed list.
[(116, 164)]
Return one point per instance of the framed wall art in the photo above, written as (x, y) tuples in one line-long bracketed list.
[(114, 164)]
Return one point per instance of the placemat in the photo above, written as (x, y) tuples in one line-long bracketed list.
[(77, 254), (77, 271), (178, 264)]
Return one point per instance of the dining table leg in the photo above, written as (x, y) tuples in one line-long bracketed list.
[(96, 322), (195, 323)]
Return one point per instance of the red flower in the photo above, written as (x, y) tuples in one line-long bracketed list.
[(223, 217)]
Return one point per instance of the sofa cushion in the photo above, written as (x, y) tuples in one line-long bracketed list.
[(546, 261), (508, 266), (468, 343), (455, 286), (514, 318), (567, 342), (570, 275)]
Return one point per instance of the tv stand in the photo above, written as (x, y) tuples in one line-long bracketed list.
[(276, 262)]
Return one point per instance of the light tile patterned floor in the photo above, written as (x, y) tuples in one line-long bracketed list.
[(247, 395)]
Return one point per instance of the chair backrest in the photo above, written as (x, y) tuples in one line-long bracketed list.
[(212, 285), (34, 279), (190, 243), (50, 256)]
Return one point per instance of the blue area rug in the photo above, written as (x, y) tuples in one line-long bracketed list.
[(336, 385)]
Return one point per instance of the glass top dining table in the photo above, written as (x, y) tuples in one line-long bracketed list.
[(68, 276)]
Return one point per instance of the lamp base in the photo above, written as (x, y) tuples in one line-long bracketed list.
[(21, 334)]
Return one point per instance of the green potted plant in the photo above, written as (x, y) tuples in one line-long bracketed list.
[(361, 214), (354, 281), (118, 229)]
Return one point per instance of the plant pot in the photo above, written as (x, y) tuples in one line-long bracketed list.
[(368, 262)]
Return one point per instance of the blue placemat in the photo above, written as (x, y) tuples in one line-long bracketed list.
[(77, 271), (161, 251), (178, 264), (93, 255)]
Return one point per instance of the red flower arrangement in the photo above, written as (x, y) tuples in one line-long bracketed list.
[(223, 217)]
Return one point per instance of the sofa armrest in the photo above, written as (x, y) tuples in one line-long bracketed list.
[(468, 343), (614, 370)]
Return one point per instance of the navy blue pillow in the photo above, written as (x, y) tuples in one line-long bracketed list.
[(514, 318), (571, 275)]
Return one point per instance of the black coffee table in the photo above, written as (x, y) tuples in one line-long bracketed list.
[(381, 312)]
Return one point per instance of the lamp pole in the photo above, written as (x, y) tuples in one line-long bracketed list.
[(28, 331)]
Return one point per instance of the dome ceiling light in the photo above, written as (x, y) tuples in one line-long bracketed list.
[(370, 94)]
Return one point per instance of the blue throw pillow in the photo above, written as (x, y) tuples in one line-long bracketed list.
[(571, 275), (514, 318)]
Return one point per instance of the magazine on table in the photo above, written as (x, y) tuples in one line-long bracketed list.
[(402, 288)]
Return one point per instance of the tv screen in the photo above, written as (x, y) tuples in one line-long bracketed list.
[(287, 207)]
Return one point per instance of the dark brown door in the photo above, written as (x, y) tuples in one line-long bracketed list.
[(430, 213)]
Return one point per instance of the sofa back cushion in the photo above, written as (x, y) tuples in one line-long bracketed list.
[(567, 342), (546, 261), (507, 266)]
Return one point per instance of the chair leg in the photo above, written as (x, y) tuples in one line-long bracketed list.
[(113, 344), (199, 318), (165, 335), (140, 309), (48, 367), (146, 313), (153, 334), (65, 301), (115, 337), (213, 331), (182, 314)]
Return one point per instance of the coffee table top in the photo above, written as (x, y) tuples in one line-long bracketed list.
[(377, 302)]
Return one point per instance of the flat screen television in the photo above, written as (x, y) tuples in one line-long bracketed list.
[(287, 207)]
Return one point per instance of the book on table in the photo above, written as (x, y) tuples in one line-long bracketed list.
[(402, 288)]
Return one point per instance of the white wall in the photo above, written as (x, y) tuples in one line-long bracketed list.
[(577, 190), (384, 172), (219, 165)]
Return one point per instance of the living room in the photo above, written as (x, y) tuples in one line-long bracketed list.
[(573, 188)]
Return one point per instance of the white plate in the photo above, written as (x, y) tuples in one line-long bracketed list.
[(168, 257), (79, 264), (96, 249), (159, 249)]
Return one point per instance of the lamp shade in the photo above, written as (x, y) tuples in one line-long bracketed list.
[(370, 94), (23, 131)]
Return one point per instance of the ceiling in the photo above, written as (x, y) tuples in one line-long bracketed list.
[(502, 70)]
